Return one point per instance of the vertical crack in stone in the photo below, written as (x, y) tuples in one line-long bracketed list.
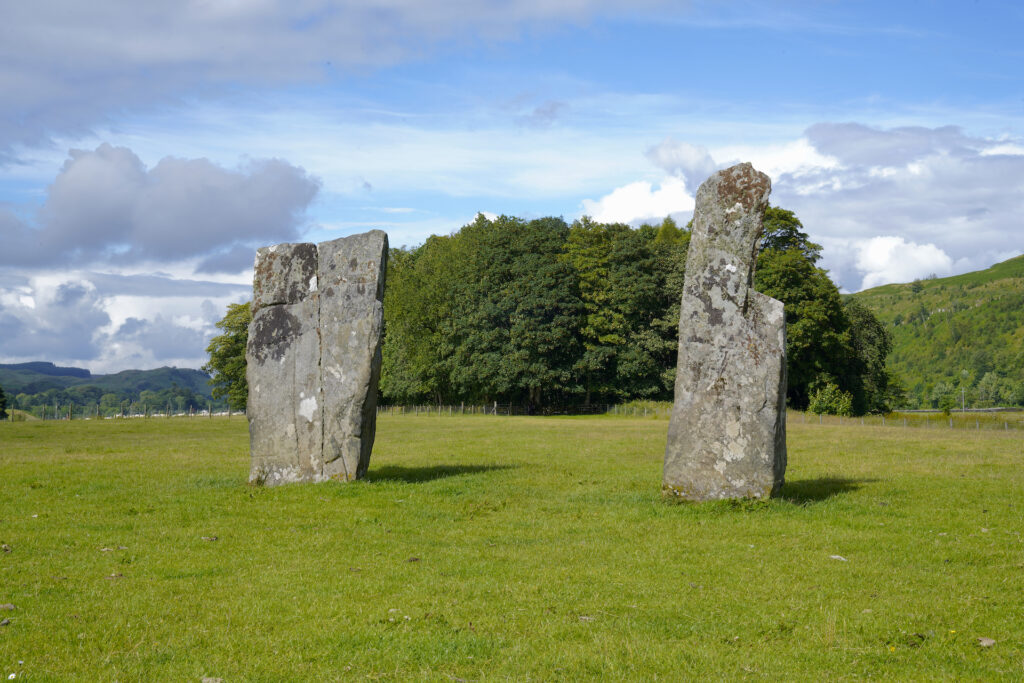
[(319, 366)]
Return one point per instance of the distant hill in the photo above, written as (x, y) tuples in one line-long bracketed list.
[(38, 377), (964, 332)]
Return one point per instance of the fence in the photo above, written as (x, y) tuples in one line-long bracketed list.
[(509, 409), (1005, 419), (74, 412)]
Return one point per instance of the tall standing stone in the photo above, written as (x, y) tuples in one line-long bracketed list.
[(727, 435), (313, 358)]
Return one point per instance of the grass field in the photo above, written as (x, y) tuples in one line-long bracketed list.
[(484, 548)]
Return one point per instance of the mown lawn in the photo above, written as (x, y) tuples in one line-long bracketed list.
[(487, 548)]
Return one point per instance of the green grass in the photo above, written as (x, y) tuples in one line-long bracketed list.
[(956, 421), (491, 548)]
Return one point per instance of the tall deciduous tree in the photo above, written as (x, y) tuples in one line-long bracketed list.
[(227, 356), (818, 341), (517, 312), (3, 404), (417, 322), (784, 231), (870, 343)]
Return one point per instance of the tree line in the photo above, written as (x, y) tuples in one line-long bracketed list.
[(541, 312), (89, 400)]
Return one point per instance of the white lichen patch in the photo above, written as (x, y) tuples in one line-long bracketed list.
[(307, 408), (312, 283)]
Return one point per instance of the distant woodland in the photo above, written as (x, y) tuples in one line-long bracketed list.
[(543, 313), (44, 389), (957, 340)]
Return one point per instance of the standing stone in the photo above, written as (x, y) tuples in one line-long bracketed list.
[(313, 358), (727, 435)]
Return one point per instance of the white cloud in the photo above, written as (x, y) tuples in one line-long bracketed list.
[(888, 205), (67, 65), (893, 259), (110, 321), (692, 162), (795, 158), (640, 201), (106, 206)]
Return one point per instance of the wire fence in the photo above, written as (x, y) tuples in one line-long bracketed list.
[(1005, 419), (989, 419), (75, 412)]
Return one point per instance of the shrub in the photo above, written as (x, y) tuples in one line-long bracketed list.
[(828, 399)]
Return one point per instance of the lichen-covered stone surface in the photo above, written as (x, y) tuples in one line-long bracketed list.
[(727, 435), (313, 358)]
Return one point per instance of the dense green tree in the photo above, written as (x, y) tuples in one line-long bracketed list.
[(670, 233), (3, 404), (783, 231), (418, 316), (541, 312), (227, 357), (867, 376), (624, 279), (818, 341), (518, 312)]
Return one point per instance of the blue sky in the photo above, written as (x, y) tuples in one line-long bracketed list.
[(146, 149)]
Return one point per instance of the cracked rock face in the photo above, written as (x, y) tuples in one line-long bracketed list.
[(313, 358), (727, 435)]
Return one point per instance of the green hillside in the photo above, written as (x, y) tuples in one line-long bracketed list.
[(33, 386), (960, 336)]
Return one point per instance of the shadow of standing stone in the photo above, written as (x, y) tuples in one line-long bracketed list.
[(727, 435), (313, 358)]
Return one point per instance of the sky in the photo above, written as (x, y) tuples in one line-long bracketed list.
[(147, 149)]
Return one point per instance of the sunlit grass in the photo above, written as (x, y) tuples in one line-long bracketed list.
[(496, 547)]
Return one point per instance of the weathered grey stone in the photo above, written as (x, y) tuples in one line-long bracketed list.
[(351, 275), (313, 358), (727, 435)]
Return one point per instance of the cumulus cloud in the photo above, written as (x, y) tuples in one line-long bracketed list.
[(105, 205), (108, 322), (61, 320), (693, 163), (67, 64), (941, 191), (889, 205), (139, 341), (894, 259), (640, 201)]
